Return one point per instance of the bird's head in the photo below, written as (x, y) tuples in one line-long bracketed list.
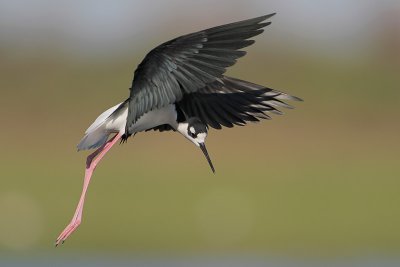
[(196, 131)]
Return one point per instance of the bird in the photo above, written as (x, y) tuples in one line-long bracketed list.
[(181, 86)]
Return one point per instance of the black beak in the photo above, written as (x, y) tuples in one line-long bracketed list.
[(203, 148)]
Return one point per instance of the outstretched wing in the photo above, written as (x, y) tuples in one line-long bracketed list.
[(229, 101), (188, 63)]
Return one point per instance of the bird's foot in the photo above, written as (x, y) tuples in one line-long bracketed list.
[(124, 138), (67, 232)]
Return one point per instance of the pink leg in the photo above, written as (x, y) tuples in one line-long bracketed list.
[(91, 163)]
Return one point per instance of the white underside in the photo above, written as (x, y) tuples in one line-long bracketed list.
[(108, 123)]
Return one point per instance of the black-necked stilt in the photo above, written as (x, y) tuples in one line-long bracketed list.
[(180, 86)]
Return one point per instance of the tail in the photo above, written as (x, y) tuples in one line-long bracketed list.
[(97, 134), (93, 140)]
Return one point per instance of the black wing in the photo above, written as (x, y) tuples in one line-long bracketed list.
[(229, 101), (187, 64)]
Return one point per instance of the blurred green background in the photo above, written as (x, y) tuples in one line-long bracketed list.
[(322, 181)]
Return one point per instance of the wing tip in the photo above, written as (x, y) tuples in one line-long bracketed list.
[(296, 98), (261, 21), (290, 97), (265, 17)]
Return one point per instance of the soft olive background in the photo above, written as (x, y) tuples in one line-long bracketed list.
[(321, 181)]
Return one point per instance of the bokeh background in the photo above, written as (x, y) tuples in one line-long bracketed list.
[(317, 186)]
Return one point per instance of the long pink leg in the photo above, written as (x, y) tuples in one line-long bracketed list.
[(91, 163)]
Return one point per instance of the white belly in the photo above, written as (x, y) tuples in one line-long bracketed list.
[(164, 115)]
